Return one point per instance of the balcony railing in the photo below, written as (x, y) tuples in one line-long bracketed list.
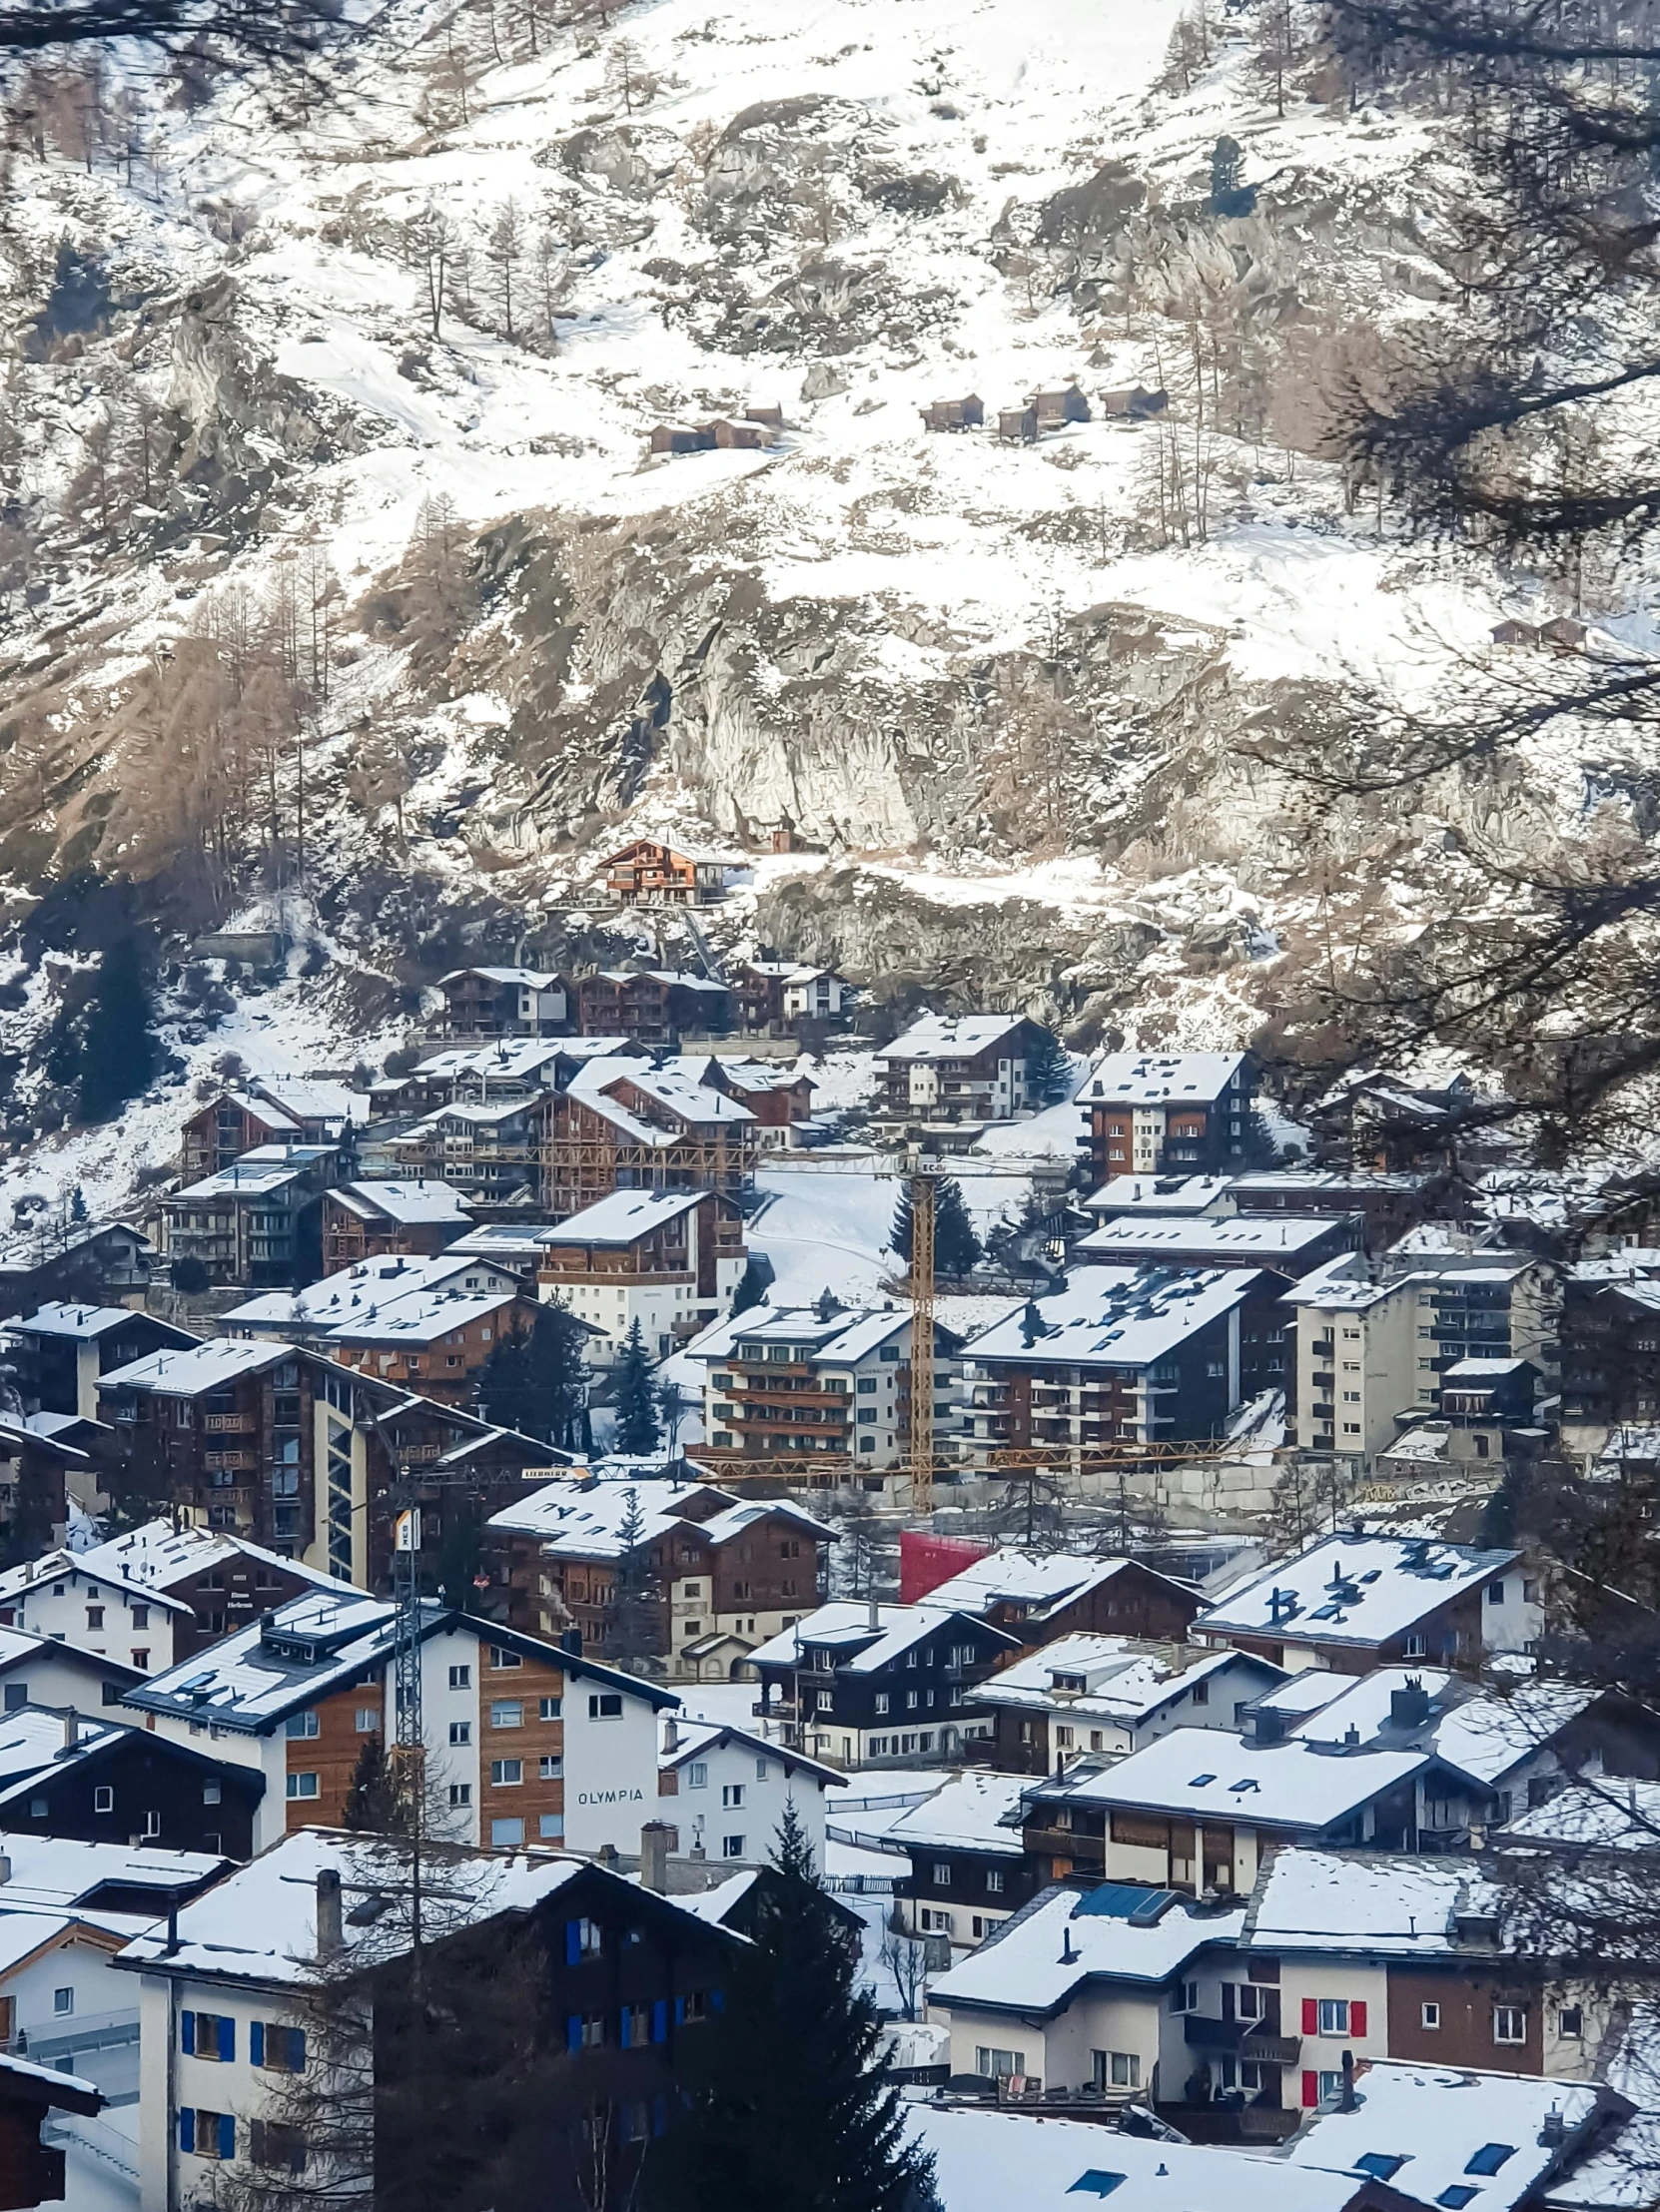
[(229, 1424)]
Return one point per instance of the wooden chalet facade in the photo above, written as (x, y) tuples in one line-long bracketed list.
[(370, 1221), (631, 1137), (651, 1006), (504, 1002), (650, 872)]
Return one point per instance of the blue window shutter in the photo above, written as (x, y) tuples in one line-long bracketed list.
[(186, 2124), (256, 2042), (226, 2136), (227, 2040), (573, 2031), (573, 1944), (187, 2032), (297, 2050), (679, 2011), (659, 2020), (717, 2000), (627, 2028)]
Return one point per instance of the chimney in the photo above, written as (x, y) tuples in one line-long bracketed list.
[(171, 1946), (330, 1929), (1345, 2102), (1553, 2131), (1409, 1706), (571, 1641), (875, 1612), (654, 1856), (671, 1732), (71, 1730), (1267, 1724), (1068, 1957), (5, 1868)]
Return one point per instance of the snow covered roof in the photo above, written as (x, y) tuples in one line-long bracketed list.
[(581, 1517), (1248, 1236), (414, 1203), (1613, 1813), (1353, 1590), (526, 978), (846, 1626), (61, 1871), (260, 1923), (1482, 1370), (156, 1555), (951, 1035), (990, 2161), (1169, 1194), (249, 1177), (1161, 1079), (1200, 1773), (1379, 1903), (1126, 1677), (266, 1112), (696, 1739), (419, 1316), (966, 1814), (36, 1736), (1483, 1736), (86, 1323), (369, 1285), (1041, 1583), (623, 1216), (1117, 1316), (311, 1099), (697, 1100), (1443, 2135), (206, 1366), (1113, 1932)]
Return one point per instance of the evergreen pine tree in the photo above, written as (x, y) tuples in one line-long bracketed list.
[(751, 1289), (633, 1626), (119, 1054), (1228, 195), (373, 1800), (555, 1374), (956, 1247), (1048, 1071), (77, 1204), (505, 1391), (898, 1237), (637, 1428), (789, 2106)]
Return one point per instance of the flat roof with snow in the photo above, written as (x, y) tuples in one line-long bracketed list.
[(1117, 1316), (1203, 1773), (1352, 1590), (1161, 1079)]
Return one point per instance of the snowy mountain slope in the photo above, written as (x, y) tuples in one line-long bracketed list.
[(1015, 706)]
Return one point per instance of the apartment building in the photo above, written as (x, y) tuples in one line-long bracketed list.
[(274, 1110), (1084, 1694), (488, 1154), (67, 1349), (1043, 1596), (778, 994), (433, 1341), (621, 1124), (667, 1259), (650, 872), (258, 1222), (864, 1683), (724, 1792), (504, 1002), (310, 1314), (953, 1069), (968, 1870), (1165, 1114), (370, 1221)]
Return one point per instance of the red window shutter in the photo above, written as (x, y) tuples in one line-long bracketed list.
[(1310, 2016), (1356, 2018), (1310, 2089)]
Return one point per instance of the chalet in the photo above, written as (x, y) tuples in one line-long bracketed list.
[(504, 1002), (1084, 1694), (517, 1068), (960, 1068), (258, 1222), (138, 1603), (43, 1470), (1169, 1113), (614, 1977), (1510, 632), (968, 1870), (297, 1453), (668, 1260), (78, 1263), (1373, 1117), (1388, 1203), (1057, 408), (1144, 1352), (1610, 1348), (311, 1315), (865, 1683), (954, 414), (67, 1347), (1018, 425), (779, 1098), (64, 1773), (713, 1568), (266, 1111), (42, 1670), (433, 1341), (681, 437), (529, 1740), (650, 872), (1355, 1602), (1039, 1595), (371, 1220), (724, 1792), (490, 1155), (651, 1006), (777, 994), (1131, 403), (628, 1126), (750, 433)]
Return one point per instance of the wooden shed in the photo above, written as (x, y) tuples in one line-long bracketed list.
[(1018, 425), (955, 414), (1133, 404), (1064, 405)]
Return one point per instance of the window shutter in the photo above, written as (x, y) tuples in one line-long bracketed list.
[(626, 2037), (659, 2020), (227, 2042), (186, 2124), (1310, 2016), (573, 1944), (226, 2136), (1357, 2018), (1311, 2088), (256, 2042), (573, 2031), (717, 2000), (679, 2011), (186, 2034), (297, 2050)]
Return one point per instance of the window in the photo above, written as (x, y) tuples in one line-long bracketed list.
[(461, 1794), (271, 2143), (1570, 2022), (584, 1938), (732, 1794), (731, 1847), (760, 1769), (1429, 2015), (95, 1616), (881, 1701), (502, 1659), (1489, 2158), (942, 1875), (279, 2049), (506, 1835), (606, 1706), (213, 1793), (993, 1877), (303, 1785), (460, 1678), (1509, 2023), (368, 1720), (63, 2000), (103, 1798), (506, 1713), (1413, 1647), (1124, 2068), (208, 2134), (300, 1724), (1334, 2016), (506, 1774), (550, 1767), (140, 1615), (697, 1775), (460, 1732), (1328, 2085), (996, 2062), (1200, 1694), (548, 1709), (1184, 1997), (1496, 1590), (208, 2035)]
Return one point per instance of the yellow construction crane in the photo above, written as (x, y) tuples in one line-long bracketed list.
[(923, 1187)]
